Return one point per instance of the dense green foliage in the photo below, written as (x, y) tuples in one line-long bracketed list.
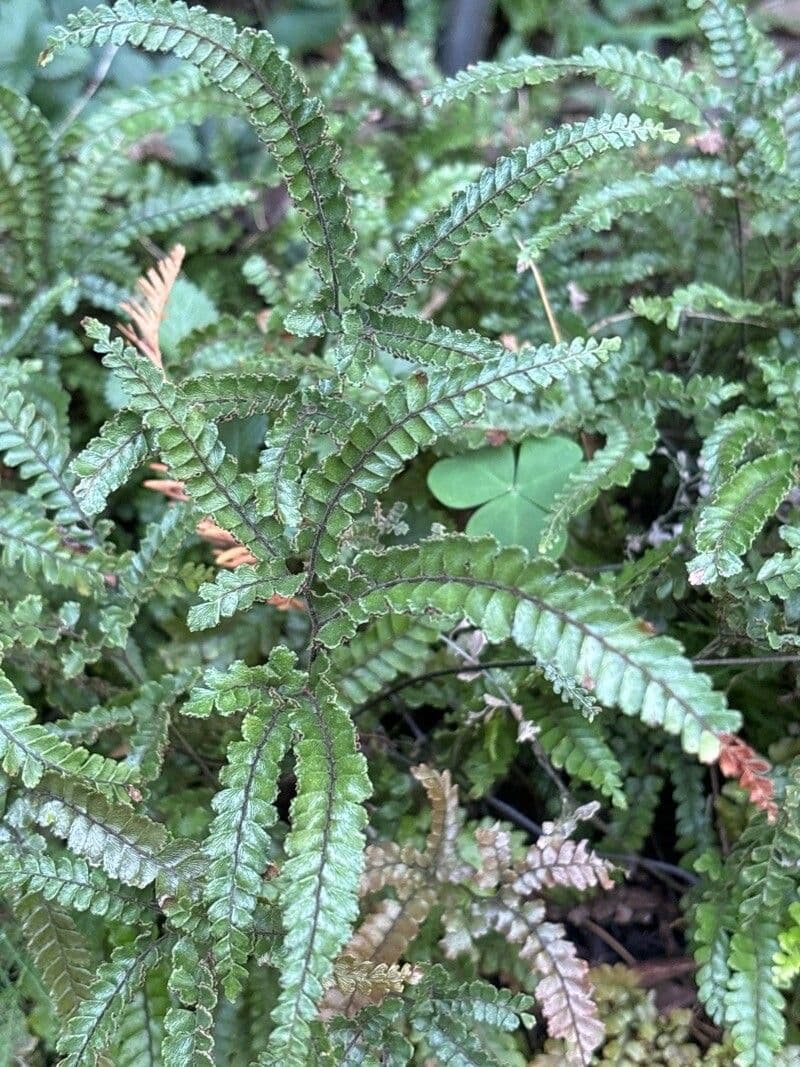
[(444, 469)]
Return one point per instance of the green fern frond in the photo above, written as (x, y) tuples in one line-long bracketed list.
[(391, 646), (702, 299), (556, 617), (578, 746), (29, 749), (33, 446), (238, 846), (643, 79), (739, 508), (170, 211), (738, 50), (499, 191), (753, 1004), (96, 146), (34, 543), (67, 881), (238, 396), (58, 951), (20, 339), (237, 590), (247, 65), (189, 1037), (411, 416), (631, 437), (127, 845), (318, 884), (91, 1028), (599, 209), (32, 143), (108, 460)]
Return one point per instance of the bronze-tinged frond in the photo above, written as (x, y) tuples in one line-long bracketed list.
[(147, 309)]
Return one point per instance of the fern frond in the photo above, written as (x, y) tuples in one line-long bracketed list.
[(630, 438), (91, 1028), (599, 209), (563, 991), (57, 949), (20, 339), (702, 298), (411, 416), (34, 543), (189, 446), (168, 212), (732, 440), (554, 616), (96, 146), (318, 884), (189, 1036), (393, 645), (412, 339), (127, 845), (108, 460), (641, 78), (139, 1037), (499, 191), (248, 66), (35, 159), (753, 1004), (34, 447), (578, 745), (66, 881), (738, 51), (238, 846), (731, 520), (29, 749), (236, 590)]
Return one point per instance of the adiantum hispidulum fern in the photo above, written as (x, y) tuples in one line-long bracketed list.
[(264, 874)]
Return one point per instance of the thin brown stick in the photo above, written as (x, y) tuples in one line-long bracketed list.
[(610, 940), (548, 308)]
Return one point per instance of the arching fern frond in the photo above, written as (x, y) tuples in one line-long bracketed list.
[(731, 520), (554, 616), (170, 211), (631, 436), (599, 209), (20, 339), (67, 881), (91, 1029), (643, 79), (411, 416), (29, 749), (499, 191), (248, 66)]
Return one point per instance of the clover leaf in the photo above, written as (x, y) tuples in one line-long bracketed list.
[(511, 489)]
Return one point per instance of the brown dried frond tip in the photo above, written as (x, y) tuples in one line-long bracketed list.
[(147, 309), (738, 760)]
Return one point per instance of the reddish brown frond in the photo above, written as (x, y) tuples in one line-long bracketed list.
[(147, 308), (738, 760)]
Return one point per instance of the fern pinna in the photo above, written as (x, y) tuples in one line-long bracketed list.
[(215, 850)]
